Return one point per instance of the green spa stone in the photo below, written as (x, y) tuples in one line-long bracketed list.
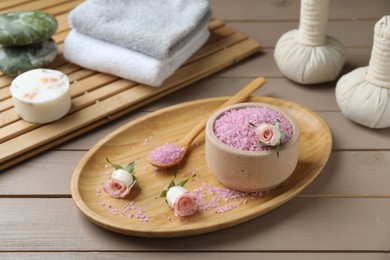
[(26, 27), (15, 60)]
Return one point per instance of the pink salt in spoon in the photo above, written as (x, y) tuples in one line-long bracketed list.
[(169, 155)]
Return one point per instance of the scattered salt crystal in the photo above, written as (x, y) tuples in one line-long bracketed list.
[(147, 140), (141, 214), (233, 128), (98, 190), (166, 153), (113, 211), (233, 197), (193, 171), (242, 202), (225, 208)]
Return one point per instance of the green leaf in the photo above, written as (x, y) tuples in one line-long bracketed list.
[(135, 181), (116, 166), (163, 193), (182, 183), (130, 167), (171, 184)]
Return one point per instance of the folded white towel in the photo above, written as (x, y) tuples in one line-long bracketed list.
[(108, 58), (155, 28)]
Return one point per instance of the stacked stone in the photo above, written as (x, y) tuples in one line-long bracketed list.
[(26, 41)]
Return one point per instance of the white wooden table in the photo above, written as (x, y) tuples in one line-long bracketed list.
[(343, 214)]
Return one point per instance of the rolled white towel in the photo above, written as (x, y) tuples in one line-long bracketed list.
[(105, 57)]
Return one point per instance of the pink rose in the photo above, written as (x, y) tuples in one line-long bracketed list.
[(116, 188), (268, 134), (120, 184), (185, 205)]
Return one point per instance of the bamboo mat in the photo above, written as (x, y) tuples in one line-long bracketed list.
[(98, 98)]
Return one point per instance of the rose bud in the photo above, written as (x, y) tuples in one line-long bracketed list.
[(268, 134), (120, 184), (182, 201)]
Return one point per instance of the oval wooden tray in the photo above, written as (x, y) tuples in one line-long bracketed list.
[(135, 140)]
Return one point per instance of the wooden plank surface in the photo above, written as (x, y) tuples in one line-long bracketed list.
[(268, 32), (344, 214), (55, 224), (181, 255), (22, 139), (281, 10), (347, 174)]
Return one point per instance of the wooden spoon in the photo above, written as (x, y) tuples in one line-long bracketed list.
[(183, 144)]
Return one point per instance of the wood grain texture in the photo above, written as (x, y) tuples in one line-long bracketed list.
[(318, 98), (353, 174), (343, 214), (281, 10), (22, 139), (189, 256), (347, 174), (348, 135), (314, 225), (264, 63), (30, 5), (40, 172), (360, 33), (128, 143)]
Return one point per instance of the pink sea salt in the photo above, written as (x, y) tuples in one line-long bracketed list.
[(223, 199), (166, 153), (113, 211), (234, 127), (98, 190)]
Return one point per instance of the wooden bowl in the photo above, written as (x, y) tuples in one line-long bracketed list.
[(251, 171)]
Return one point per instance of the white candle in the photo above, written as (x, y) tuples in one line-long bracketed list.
[(41, 95)]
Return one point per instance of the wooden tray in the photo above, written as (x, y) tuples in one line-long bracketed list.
[(135, 140), (98, 98)]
